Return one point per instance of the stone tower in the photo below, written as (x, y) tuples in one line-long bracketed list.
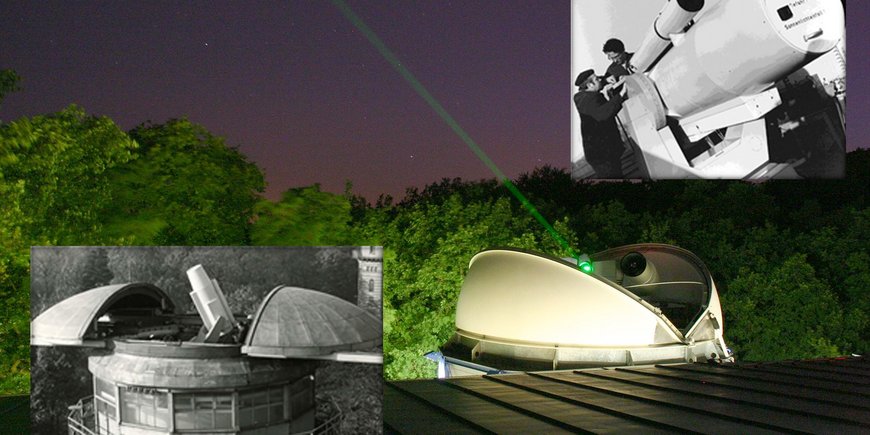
[(370, 281)]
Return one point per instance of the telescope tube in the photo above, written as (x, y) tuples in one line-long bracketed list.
[(742, 47), (673, 18), (208, 298)]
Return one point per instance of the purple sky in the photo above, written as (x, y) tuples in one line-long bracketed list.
[(308, 98)]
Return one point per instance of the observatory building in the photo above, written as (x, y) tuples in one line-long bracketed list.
[(637, 304), (214, 372)]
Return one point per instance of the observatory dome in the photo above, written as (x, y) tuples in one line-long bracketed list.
[(296, 322), (73, 321), (529, 298), (646, 303)]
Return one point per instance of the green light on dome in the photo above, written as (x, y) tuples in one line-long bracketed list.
[(586, 267)]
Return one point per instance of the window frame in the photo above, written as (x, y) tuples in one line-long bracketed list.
[(138, 392), (270, 394), (214, 411)]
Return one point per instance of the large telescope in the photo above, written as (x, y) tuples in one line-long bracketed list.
[(717, 69), (210, 304)]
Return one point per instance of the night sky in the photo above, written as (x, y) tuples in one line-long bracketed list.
[(309, 99)]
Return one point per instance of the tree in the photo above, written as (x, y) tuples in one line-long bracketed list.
[(8, 82), (303, 216), (785, 312), (53, 186), (53, 175), (96, 271), (186, 187), (15, 324), (609, 224)]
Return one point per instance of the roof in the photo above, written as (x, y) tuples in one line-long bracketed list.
[(296, 322), (828, 395), (70, 321)]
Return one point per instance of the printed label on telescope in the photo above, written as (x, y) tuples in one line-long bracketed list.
[(806, 19), (810, 26)]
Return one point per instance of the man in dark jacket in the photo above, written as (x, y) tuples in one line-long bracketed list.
[(602, 143)]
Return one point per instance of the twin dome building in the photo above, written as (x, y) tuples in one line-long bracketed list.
[(211, 372)]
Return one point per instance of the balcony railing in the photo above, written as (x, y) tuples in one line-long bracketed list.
[(80, 420), (81, 417), (329, 427)]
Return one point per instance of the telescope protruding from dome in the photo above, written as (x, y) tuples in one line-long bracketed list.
[(211, 304)]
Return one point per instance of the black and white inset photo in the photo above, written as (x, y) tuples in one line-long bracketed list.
[(149, 340), (712, 89)]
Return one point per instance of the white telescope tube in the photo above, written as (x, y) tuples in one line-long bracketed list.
[(209, 301), (742, 47), (673, 18)]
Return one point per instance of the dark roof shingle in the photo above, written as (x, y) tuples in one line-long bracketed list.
[(817, 396)]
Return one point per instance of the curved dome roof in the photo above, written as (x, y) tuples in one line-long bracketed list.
[(643, 304), (520, 297), (72, 322), (296, 322)]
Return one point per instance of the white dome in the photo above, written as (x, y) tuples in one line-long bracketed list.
[(527, 298), (643, 304)]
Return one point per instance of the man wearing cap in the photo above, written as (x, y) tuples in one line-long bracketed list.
[(602, 144)]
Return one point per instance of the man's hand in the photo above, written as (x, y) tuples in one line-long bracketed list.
[(615, 89), (607, 91)]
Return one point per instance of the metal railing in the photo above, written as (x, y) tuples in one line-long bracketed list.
[(79, 415), (80, 420), (329, 427)]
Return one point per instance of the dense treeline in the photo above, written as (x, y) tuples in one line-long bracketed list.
[(790, 257)]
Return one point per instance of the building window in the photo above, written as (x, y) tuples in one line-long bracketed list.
[(371, 285), (144, 407), (203, 411), (261, 407), (302, 396), (106, 399), (106, 403)]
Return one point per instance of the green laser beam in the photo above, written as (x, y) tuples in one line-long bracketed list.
[(439, 109)]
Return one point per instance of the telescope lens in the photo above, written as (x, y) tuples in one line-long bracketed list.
[(633, 264), (691, 5)]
